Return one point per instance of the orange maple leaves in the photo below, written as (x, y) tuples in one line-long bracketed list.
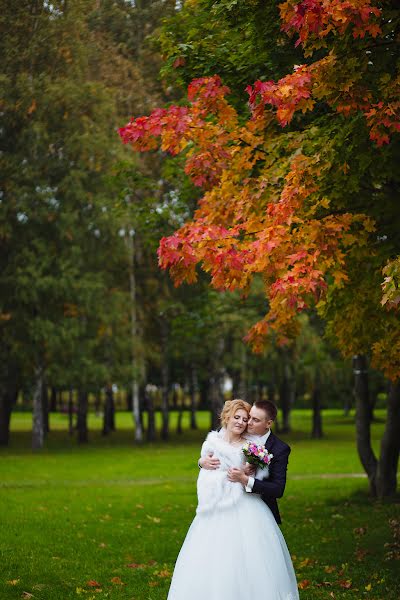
[(263, 211), (314, 20), (248, 222)]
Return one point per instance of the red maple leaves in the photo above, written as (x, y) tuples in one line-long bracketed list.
[(272, 220), (314, 20)]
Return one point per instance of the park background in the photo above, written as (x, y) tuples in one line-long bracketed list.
[(110, 376)]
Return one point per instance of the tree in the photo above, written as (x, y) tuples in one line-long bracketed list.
[(274, 200)]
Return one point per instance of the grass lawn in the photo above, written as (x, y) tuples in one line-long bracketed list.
[(106, 520)]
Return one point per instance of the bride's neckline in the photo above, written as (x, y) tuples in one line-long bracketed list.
[(237, 444)]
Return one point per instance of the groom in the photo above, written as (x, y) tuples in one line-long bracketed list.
[(262, 415)]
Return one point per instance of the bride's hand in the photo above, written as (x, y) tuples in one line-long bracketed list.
[(250, 469), (237, 476)]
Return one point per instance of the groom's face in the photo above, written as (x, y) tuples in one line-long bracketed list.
[(259, 422)]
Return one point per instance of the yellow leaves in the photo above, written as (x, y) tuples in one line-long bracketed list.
[(32, 107), (13, 582), (117, 581), (304, 584), (368, 587), (153, 519), (340, 278), (306, 562), (330, 568)]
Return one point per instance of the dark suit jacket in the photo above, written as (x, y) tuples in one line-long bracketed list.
[(272, 488)]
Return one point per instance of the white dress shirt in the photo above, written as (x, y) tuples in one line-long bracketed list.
[(259, 440)]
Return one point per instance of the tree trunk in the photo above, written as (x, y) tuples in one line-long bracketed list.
[(164, 380), (134, 345), (386, 477), (180, 403), (316, 405), (37, 414), (8, 397), (217, 399), (129, 403), (363, 420), (45, 403), (109, 409), (242, 388), (53, 400), (70, 412), (151, 419), (193, 392), (97, 403), (82, 416), (286, 397)]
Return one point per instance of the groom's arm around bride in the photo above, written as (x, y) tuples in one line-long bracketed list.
[(262, 416)]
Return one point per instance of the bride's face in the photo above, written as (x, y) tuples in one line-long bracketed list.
[(237, 422)]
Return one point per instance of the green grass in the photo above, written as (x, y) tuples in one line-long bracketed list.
[(70, 514)]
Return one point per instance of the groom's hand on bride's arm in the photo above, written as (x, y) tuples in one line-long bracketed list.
[(208, 462), (238, 476), (250, 469)]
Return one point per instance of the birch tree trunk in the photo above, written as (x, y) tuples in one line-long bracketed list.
[(37, 413), (134, 345)]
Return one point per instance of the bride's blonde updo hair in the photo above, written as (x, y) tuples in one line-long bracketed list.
[(230, 407)]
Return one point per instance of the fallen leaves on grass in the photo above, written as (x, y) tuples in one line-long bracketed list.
[(26, 595), (330, 568), (359, 531), (345, 583), (394, 552), (304, 584), (117, 581), (163, 573), (13, 582), (306, 562), (153, 519), (93, 583), (360, 554)]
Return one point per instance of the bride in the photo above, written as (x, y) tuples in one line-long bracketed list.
[(234, 549)]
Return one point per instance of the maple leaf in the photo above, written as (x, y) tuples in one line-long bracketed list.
[(93, 583), (117, 581), (304, 584)]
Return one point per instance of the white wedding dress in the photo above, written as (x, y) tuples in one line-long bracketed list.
[(234, 550)]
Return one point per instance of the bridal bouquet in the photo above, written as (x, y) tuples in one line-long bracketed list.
[(257, 455)]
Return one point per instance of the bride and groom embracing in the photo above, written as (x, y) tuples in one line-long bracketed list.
[(234, 548)]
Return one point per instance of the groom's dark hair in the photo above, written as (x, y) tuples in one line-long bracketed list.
[(268, 407)]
